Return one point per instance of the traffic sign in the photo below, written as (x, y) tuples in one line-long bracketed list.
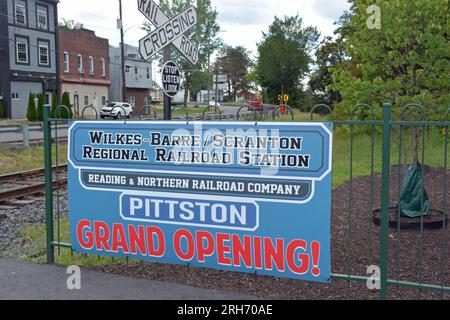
[(171, 27), (171, 78), (283, 98)]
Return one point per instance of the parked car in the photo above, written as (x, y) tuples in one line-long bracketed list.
[(117, 110), (255, 104), (212, 103)]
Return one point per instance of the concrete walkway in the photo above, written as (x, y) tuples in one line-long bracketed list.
[(46, 282)]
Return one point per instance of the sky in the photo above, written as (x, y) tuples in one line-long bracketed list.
[(241, 22)]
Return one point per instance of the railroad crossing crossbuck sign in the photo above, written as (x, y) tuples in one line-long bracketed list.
[(168, 31)]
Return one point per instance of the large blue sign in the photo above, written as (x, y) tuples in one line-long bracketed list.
[(234, 196)]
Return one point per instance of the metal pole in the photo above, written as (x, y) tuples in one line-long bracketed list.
[(167, 100), (48, 184), (122, 55), (384, 231), (26, 135), (215, 85)]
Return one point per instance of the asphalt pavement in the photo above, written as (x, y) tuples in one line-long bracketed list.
[(21, 281)]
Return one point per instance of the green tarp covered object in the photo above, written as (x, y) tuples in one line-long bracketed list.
[(414, 200)]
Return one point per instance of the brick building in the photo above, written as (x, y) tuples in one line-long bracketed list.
[(84, 68)]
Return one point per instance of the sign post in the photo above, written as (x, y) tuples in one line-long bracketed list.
[(168, 31)]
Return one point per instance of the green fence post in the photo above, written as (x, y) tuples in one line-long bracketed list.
[(384, 232), (48, 184)]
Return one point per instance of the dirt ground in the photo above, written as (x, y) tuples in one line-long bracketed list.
[(413, 256)]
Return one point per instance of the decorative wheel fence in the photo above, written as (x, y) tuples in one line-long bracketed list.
[(368, 230)]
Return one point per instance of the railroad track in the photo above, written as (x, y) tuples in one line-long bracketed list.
[(22, 188)]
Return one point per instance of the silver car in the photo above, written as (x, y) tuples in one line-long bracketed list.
[(117, 110)]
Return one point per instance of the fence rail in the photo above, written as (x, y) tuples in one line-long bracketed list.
[(384, 145)]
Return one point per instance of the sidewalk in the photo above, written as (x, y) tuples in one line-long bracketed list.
[(46, 282)]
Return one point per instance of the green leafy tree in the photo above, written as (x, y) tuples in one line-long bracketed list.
[(405, 60), (200, 81), (330, 54), (235, 62), (54, 104), (31, 111), (204, 35), (69, 24), (2, 109), (284, 57), (40, 107), (63, 112)]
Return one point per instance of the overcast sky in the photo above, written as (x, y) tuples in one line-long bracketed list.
[(242, 21)]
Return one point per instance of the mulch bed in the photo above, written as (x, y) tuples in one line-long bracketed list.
[(412, 256)]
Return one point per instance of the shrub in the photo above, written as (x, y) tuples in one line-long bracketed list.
[(2, 109), (65, 101), (31, 111)]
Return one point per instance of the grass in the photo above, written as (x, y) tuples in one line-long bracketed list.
[(14, 122), (27, 159)]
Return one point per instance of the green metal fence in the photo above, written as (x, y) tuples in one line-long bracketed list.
[(379, 144)]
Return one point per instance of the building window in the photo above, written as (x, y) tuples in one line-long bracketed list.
[(86, 100), (132, 100), (42, 21), (44, 58), (148, 73), (80, 63), (91, 66), (103, 67), (66, 62), (136, 71), (103, 101), (127, 69), (20, 15), (21, 51), (15, 96)]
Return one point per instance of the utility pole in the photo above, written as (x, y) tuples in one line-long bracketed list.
[(167, 52), (122, 55)]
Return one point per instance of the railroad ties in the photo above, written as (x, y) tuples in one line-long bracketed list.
[(23, 188)]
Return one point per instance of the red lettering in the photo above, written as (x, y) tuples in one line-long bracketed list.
[(242, 251), (101, 238), (160, 242), (257, 245), (137, 239), (292, 247), (87, 234), (223, 249), (118, 238), (272, 254), (189, 254), (202, 248)]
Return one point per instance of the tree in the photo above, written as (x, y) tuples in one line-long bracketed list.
[(404, 61), (284, 56), (329, 55), (204, 35), (235, 62), (54, 104), (200, 81), (31, 111), (63, 112), (2, 109), (69, 24), (40, 107)]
